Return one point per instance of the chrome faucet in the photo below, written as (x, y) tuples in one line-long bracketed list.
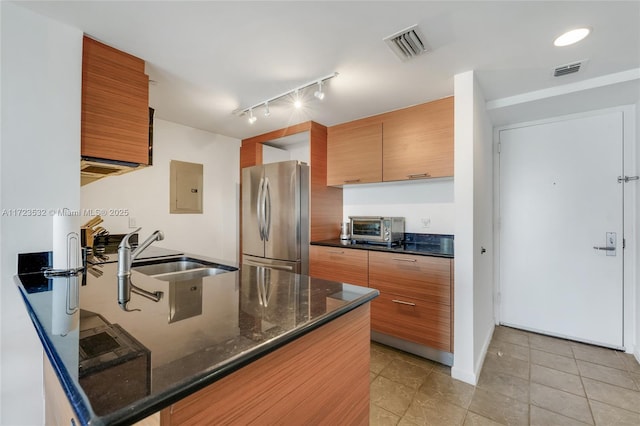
[(126, 256)]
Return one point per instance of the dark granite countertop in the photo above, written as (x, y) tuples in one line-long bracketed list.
[(200, 331), (421, 244)]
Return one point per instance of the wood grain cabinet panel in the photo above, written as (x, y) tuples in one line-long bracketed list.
[(416, 292), (415, 320), (115, 105), (322, 378), (418, 141), (419, 277), (339, 264), (409, 143), (416, 298), (354, 154)]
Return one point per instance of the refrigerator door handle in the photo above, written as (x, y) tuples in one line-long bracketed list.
[(267, 216), (271, 266), (259, 208)]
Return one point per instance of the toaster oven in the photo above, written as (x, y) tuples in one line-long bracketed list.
[(377, 229)]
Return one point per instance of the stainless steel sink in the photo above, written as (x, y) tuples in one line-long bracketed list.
[(180, 268)]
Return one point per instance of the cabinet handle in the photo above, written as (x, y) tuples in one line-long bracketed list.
[(352, 181), (335, 251), (400, 259), (402, 302), (419, 175)]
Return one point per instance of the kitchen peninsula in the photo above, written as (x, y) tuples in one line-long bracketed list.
[(241, 345)]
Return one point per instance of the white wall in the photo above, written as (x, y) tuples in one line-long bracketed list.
[(299, 151), (145, 193), (637, 224), (473, 189), (271, 154), (483, 232), (414, 200), (40, 160)]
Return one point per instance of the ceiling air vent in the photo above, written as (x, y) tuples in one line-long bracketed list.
[(567, 69), (407, 43)]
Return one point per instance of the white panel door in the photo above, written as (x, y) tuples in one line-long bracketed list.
[(559, 197)]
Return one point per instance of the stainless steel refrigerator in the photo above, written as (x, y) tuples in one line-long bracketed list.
[(275, 216)]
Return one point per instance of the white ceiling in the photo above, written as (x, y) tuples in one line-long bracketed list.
[(208, 59)]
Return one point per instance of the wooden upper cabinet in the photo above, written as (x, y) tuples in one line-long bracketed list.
[(115, 104), (410, 143), (354, 153), (418, 142)]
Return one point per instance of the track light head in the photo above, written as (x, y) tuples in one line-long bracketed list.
[(319, 93), (266, 109), (252, 118), (297, 102)]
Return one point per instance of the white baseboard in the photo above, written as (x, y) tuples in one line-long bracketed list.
[(485, 349), (472, 377), (464, 376)]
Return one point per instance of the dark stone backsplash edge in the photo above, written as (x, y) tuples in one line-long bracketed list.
[(439, 245)]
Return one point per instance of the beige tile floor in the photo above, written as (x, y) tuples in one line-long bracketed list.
[(527, 379)]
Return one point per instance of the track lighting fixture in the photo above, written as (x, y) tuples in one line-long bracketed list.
[(297, 94), (252, 119), (297, 102), (319, 93)]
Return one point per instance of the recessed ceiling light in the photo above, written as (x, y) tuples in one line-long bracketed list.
[(571, 37)]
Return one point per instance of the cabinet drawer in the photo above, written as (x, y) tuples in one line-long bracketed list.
[(419, 277), (339, 264), (414, 320)]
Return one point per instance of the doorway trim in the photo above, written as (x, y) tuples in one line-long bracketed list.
[(630, 219)]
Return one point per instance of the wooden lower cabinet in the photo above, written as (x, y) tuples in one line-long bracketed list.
[(415, 320), (320, 378), (416, 292), (339, 264), (416, 298), (420, 277)]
